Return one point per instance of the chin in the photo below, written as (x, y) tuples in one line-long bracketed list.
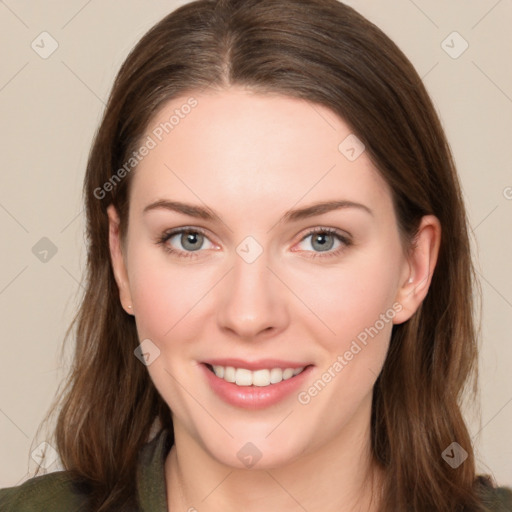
[(257, 449)]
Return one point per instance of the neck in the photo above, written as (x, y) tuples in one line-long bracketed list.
[(341, 476)]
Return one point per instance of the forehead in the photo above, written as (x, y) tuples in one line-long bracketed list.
[(252, 151)]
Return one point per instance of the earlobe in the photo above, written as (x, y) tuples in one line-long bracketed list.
[(422, 260), (118, 261)]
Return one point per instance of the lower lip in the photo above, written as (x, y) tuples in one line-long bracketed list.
[(254, 397)]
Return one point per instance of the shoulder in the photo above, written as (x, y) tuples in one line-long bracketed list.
[(497, 499), (501, 499), (56, 491)]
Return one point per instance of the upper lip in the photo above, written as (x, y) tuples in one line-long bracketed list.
[(260, 364)]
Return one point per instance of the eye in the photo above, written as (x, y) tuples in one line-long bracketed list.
[(324, 239), (190, 239)]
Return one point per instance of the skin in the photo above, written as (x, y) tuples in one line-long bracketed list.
[(251, 157)]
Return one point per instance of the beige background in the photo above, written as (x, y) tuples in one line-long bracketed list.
[(50, 108)]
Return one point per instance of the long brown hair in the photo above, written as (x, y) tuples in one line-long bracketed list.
[(325, 52)]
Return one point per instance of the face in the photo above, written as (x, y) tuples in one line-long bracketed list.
[(252, 286)]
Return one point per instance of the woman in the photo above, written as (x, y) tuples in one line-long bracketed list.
[(278, 313)]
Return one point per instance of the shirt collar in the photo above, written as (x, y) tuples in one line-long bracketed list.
[(151, 486)]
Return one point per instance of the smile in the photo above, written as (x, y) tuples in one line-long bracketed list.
[(264, 384), (261, 378)]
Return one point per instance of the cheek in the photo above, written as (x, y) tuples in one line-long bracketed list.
[(353, 297), (163, 294), (357, 305)]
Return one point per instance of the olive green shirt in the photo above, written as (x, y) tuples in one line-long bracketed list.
[(55, 492)]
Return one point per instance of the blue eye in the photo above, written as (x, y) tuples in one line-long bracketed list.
[(324, 239), (192, 240)]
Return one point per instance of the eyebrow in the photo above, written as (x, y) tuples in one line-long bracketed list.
[(205, 213)]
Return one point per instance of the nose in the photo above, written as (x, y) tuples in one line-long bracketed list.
[(253, 300)]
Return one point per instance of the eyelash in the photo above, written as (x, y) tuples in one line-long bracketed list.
[(162, 240)]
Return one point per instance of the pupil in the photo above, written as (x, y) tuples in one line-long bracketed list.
[(191, 238), (321, 240)]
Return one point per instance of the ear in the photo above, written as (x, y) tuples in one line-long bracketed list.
[(417, 275), (118, 260)]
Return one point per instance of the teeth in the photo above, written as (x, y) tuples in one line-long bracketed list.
[(260, 377), (244, 377), (229, 374), (276, 375), (288, 373), (219, 371)]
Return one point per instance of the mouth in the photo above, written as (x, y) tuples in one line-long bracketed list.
[(267, 383), (261, 378)]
